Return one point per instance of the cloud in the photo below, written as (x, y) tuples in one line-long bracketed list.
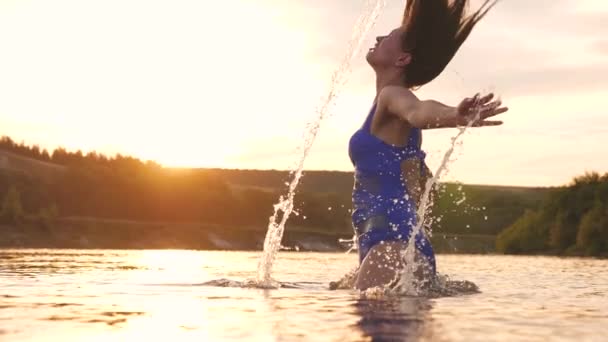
[(556, 17), (521, 48), (551, 79)]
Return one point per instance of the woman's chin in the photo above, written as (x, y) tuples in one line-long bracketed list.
[(370, 58)]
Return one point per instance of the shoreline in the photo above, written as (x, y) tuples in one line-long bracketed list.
[(96, 233), (115, 234), (198, 237)]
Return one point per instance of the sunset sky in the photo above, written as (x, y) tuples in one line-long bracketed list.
[(233, 83)]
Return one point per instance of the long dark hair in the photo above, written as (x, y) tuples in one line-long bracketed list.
[(434, 31)]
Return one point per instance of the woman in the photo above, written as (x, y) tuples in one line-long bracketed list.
[(389, 164)]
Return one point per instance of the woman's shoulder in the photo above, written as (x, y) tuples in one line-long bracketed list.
[(396, 100), (392, 91)]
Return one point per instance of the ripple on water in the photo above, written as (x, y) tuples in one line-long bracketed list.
[(521, 299), (108, 317)]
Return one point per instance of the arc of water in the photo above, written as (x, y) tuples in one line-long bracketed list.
[(276, 227), (408, 283)]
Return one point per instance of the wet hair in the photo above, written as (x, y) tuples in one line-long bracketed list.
[(434, 31)]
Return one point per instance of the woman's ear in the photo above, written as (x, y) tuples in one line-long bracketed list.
[(403, 60)]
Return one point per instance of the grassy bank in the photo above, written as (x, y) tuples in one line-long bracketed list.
[(84, 233)]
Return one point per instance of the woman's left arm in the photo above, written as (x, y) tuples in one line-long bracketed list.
[(430, 114)]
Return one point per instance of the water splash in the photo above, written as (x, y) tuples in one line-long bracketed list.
[(408, 283), (284, 207), (443, 286)]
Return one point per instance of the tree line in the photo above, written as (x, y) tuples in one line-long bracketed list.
[(572, 220), (95, 185)]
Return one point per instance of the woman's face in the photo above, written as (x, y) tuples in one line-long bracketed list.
[(388, 51)]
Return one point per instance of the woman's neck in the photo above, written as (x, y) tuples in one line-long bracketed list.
[(388, 78)]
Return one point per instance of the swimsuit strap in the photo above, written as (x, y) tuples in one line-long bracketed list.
[(413, 139), (367, 125)]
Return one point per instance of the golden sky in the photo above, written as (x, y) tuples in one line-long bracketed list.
[(233, 83)]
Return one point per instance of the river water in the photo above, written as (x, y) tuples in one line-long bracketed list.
[(95, 295)]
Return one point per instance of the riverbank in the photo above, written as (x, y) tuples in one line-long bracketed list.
[(94, 233)]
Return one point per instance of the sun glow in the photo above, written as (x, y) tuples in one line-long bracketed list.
[(184, 84)]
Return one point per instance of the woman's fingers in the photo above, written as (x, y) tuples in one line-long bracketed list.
[(479, 108), (493, 111), (468, 103), (486, 123), (479, 120), (486, 99), (490, 105)]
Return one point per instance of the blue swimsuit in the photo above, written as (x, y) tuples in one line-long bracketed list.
[(382, 209)]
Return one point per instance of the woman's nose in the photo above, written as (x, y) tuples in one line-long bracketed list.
[(380, 38)]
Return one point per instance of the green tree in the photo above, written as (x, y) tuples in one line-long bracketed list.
[(560, 234), (12, 211), (592, 236), (47, 216), (527, 235)]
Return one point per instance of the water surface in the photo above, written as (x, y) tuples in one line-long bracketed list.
[(92, 295)]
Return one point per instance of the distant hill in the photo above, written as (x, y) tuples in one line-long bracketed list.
[(465, 209), (338, 182), (269, 180), (275, 180), (126, 188), (44, 170)]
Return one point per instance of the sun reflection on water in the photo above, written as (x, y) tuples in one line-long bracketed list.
[(178, 306), (170, 260)]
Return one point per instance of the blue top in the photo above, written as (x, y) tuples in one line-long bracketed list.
[(380, 188)]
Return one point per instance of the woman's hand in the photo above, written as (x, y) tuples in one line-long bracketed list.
[(477, 109)]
